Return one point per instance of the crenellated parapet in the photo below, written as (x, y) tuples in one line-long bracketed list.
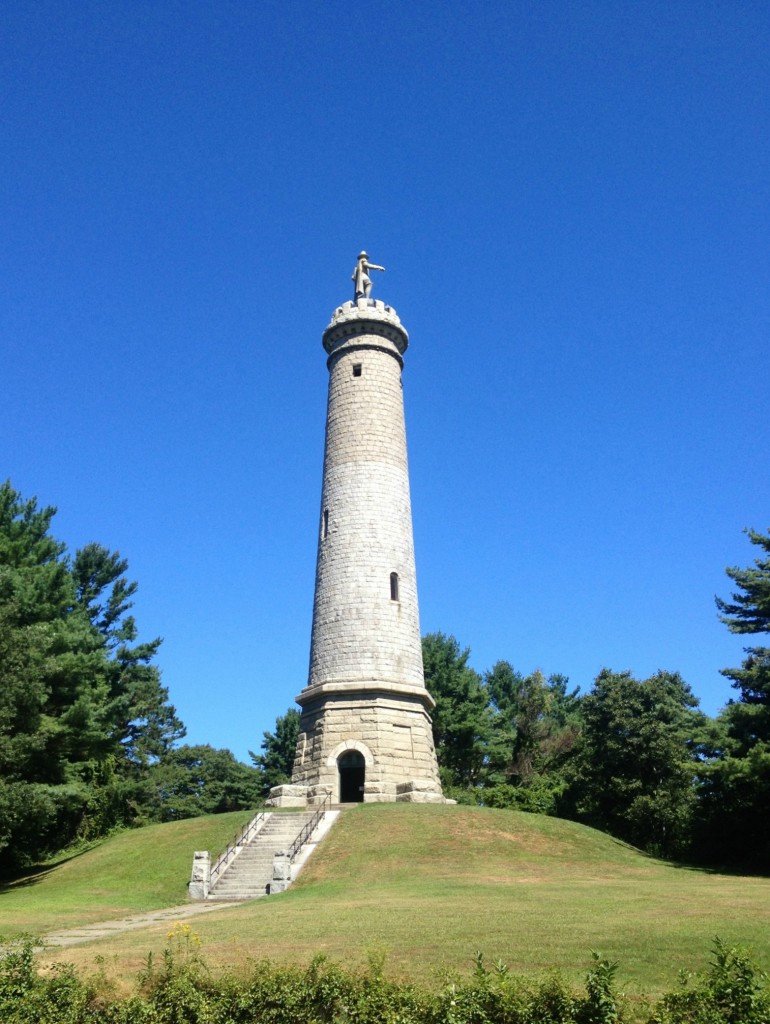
[(370, 318)]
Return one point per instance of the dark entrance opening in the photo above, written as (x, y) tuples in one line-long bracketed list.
[(352, 772)]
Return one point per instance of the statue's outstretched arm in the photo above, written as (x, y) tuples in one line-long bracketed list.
[(373, 266)]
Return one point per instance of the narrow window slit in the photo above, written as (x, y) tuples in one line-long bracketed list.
[(325, 528), (394, 586), (356, 369)]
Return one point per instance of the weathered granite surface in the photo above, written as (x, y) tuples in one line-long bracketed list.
[(366, 688)]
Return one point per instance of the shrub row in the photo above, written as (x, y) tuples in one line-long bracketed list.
[(180, 990)]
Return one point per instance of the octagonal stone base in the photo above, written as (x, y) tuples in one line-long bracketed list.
[(390, 729)]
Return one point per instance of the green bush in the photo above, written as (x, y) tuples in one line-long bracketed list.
[(731, 991), (180, 990)]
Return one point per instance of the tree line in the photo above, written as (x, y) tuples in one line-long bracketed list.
[(90, 742), (634, 757), (88, 736)]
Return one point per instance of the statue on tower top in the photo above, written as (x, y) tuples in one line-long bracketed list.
[(362, 284)]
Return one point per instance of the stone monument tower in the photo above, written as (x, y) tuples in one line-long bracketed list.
[(365, 730)]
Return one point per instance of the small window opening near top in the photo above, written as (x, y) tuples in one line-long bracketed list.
[(394, 586), (356, 369), (325, 528)]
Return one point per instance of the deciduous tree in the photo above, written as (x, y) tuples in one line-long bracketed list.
[(193, 780), (461, 719), (277, 760), (535, 726)]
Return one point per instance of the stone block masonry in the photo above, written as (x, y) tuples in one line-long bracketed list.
[(391, 731), (365, 730)]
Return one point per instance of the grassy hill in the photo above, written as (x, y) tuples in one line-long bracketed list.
[(143, 869), (429, 886)]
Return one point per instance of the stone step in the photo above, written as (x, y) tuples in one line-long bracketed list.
[(255, 847), (249, 873), (243, 884), (277, 834), (236, 890), (238, 897), (239, 889), (266, 830), (268, 842), (234, 897)]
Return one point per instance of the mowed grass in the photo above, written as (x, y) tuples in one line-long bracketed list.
[(142, 869), (429, 886)]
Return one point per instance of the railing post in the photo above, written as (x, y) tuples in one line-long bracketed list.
[(281, 872), (244, 835), (308, 829), (200, 879)]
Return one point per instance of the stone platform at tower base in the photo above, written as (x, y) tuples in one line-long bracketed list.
[(415, 791), (364, 741)]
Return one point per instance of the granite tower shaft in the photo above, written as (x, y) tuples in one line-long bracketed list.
[(365, 731)]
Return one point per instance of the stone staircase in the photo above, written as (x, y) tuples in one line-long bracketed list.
[(249, 873)]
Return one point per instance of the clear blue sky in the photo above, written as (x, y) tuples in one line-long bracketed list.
[(571, 201)]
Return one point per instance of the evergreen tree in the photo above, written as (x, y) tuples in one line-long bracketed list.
[(736, 788), (461, 719), (638, 758), (276, 763), (80, 707), (142, 720), (50, 683), (535, 726), (749, 612), (193, 780)]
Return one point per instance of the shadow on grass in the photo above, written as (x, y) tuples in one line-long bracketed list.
[(749, 870), (697, 867), (13, 881), (731, 870)]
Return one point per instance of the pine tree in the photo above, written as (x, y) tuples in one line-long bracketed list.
[(736, 788), (535, 726), (461, 719), (638, 759), (141, 720), (193, 780), (277, 761), (749, 612), (82, 711)]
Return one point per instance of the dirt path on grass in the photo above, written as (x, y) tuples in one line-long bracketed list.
[(103, 929)]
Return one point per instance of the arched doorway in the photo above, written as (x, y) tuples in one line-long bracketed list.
[(352, 769)]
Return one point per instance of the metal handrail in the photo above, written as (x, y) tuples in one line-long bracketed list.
[(308, 829), (244, 835)]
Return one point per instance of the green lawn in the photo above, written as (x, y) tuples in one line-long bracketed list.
[(143, 869), (428, 886)]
